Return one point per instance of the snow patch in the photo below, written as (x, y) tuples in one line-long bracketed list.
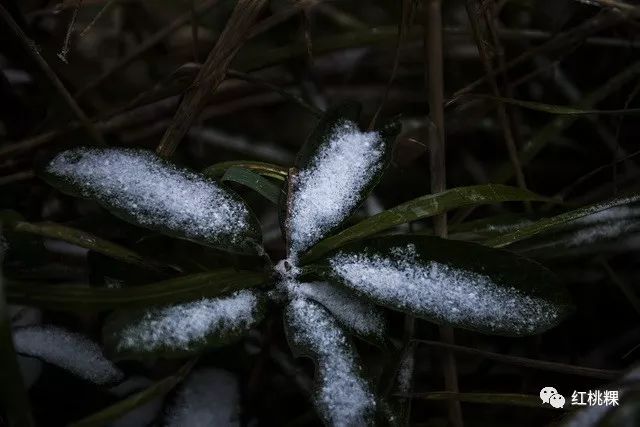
[(182, 326), (68, 350), (155, 193), (209, 397), (343, 397), (326, 191), (361, 317), (442, 293)]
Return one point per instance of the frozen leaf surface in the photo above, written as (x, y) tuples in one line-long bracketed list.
[(184, 328), (143, 189), (329, 187), (455, 283), (68, 350), (342, 396), (356, 314), (209, 397)]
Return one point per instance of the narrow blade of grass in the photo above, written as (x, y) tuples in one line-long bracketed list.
[(265, 169)]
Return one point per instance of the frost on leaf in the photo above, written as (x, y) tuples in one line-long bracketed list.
[(143, 189), (401, 278), (208, 397), (67, 350), (359, 316), (185, 328), (330, 186), (342, 396)]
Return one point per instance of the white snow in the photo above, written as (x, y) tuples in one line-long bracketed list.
[(209, 397), (606, 224), (182, 326), (325, 192), (343, 397), (442, 293), (360, 316), (156, 193), (68, 350)]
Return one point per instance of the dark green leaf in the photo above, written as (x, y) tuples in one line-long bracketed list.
[(546, 224), (453, 283), (88, 299), (121, 408), (175, 331), (422, 207), (254, 181), (265, 169), (143, 189), (88, 241)]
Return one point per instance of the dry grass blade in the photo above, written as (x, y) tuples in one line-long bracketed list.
[(212, 73), (55, 82)]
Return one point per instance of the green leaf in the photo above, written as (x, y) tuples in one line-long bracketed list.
[(547, 224), (453, 283), (87, 299), (422, 207), (342, 396), (324, 206), (554, 109), (88, 241), (180, 330), (254, 181), (121, 408), (143, 189), (265, 169)]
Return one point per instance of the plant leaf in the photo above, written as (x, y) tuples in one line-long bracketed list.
[(175, 331), (145, 190), (91, 299), (454, 283), (89, 241), (342, 396), (546, 224), (254, 181), (337, 168), (68, 350), (265, 169), (123, 407), (422, 207), (553, 109)]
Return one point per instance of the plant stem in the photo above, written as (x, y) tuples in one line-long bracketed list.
[(435, 87)]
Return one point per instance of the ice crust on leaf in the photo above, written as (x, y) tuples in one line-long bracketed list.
[(442, 293), (342, 396), (209, 397), (188, 326), (67, 350), (329, 188), (148, 191), (358, 315)]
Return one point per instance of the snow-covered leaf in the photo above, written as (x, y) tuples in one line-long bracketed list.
[(353, 312), (182, 329), (209, 397), (336, 169), (454, 283), (342, 396), (68, 350), (142, 188)]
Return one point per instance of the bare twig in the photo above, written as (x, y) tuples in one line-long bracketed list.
[(67, 39), (435, 85), (211, 74)]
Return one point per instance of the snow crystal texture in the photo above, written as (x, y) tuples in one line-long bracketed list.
[(184, 326), (326, 191), (361, 317), (155, 193), (343, 397), (209, 397), (443, 293), (68, 350)]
